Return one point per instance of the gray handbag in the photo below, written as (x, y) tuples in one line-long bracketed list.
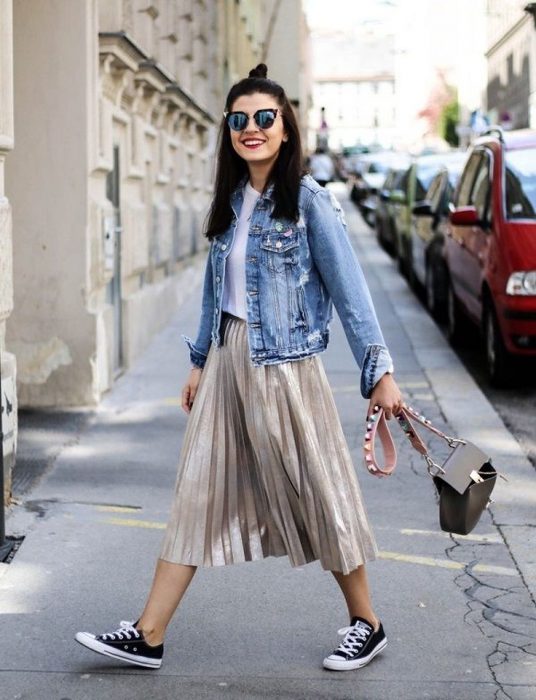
[(464, 481)]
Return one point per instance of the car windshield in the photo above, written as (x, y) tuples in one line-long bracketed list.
[(520, 175), (377, 168), (426, 173)]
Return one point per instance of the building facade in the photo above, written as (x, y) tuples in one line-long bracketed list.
[(354, 87), (511, 56), (107, 137)]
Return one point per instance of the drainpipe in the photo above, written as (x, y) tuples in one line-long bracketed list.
[(5, 545)]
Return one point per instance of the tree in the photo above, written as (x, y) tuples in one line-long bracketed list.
[(450, 116)]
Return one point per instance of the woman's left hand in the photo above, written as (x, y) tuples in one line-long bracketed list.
[(386, 394)]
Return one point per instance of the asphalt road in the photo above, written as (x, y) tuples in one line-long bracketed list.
[(459, 612)]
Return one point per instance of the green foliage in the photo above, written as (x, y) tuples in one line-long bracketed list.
[(450, 115)]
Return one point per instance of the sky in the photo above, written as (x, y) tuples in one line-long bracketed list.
[(340, 14)]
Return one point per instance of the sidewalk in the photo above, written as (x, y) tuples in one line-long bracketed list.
[(459, 612)]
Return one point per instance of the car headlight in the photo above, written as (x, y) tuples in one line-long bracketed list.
[(522, 283)]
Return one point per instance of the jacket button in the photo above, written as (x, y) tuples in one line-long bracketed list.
[(224, 246), (278, 244), (217, 279)]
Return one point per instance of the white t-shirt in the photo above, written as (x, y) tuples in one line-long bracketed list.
[(234, 288), (321, 166)]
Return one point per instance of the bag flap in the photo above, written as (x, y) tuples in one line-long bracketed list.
[(458, 466)]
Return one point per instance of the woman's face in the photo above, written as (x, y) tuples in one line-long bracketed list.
[(255, 145)]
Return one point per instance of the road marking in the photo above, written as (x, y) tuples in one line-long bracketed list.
[(472, 538), (117, 509), (394, 556), (447, 563), (414, 385), (347, 388), (133, 522)]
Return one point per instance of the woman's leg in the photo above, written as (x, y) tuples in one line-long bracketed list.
[(169, 585), (355, 589)]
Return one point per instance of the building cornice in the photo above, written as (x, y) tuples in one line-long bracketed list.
[(175, 89), (128, 55), (121, 46), (507, 35)]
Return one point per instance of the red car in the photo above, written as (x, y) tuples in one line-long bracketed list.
[(491, 248)]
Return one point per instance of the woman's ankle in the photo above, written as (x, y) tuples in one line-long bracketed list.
[(153, 636)]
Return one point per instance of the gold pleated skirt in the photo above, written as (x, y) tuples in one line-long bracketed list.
[(264, 468)]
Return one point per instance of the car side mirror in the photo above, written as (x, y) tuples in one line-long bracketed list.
[(423, 208), (464, 216)]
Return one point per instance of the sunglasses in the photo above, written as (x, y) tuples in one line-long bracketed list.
[(238, 121)]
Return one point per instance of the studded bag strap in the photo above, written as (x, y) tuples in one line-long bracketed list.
[(376, 423)]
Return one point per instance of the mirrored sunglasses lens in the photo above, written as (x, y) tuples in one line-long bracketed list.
[(265, 118), (237, 122)]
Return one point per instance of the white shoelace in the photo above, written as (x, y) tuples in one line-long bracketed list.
[(126, 631), (356, 636)]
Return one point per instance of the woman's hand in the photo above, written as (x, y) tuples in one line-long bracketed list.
[(190, 389), (386, 394)]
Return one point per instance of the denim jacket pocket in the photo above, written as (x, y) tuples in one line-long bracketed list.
[(280, 248)]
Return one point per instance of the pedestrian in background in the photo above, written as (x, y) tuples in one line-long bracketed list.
[(264, 468), (321, 167)]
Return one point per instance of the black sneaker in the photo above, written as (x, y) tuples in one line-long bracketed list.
[(359, 646), (126, 644)]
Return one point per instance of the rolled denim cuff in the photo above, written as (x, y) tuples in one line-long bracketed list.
[(376, 362), (197, 358)]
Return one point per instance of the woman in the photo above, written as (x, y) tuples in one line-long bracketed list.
[(264, 468)]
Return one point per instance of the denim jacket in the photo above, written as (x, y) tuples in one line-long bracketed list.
[(295, 272)]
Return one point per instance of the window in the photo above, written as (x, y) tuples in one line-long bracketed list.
[(481, 188), (520, 177), (433, 193), (466, 183)]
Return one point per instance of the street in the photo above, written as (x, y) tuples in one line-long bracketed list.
[(459, 612)]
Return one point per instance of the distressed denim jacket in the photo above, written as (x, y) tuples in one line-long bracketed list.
[(295, 272)]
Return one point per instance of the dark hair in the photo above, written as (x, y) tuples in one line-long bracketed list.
[(231, 168)]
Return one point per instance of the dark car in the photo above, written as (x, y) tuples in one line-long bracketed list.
[(371, 172), (388, 201), (427, 232), (491, 249), (415, 184)]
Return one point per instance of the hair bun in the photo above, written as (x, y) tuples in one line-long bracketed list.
[(260, 71)]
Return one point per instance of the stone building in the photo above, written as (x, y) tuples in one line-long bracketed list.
[(109, 112), (511, 56)]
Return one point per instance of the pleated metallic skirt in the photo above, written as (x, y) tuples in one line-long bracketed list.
[(264, 468)]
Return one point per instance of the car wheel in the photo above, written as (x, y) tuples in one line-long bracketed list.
[(413, 280), (498, 360), (404, 261), (434, 300), (380, 232), (456, 324)]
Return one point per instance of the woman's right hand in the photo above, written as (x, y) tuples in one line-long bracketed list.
[(190, 389)]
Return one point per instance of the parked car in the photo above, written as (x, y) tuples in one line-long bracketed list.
[(491, 248), (427, 233), (414, 186), (388, 200), (370, 176)]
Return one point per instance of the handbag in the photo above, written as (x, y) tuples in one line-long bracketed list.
[(464, 482)]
